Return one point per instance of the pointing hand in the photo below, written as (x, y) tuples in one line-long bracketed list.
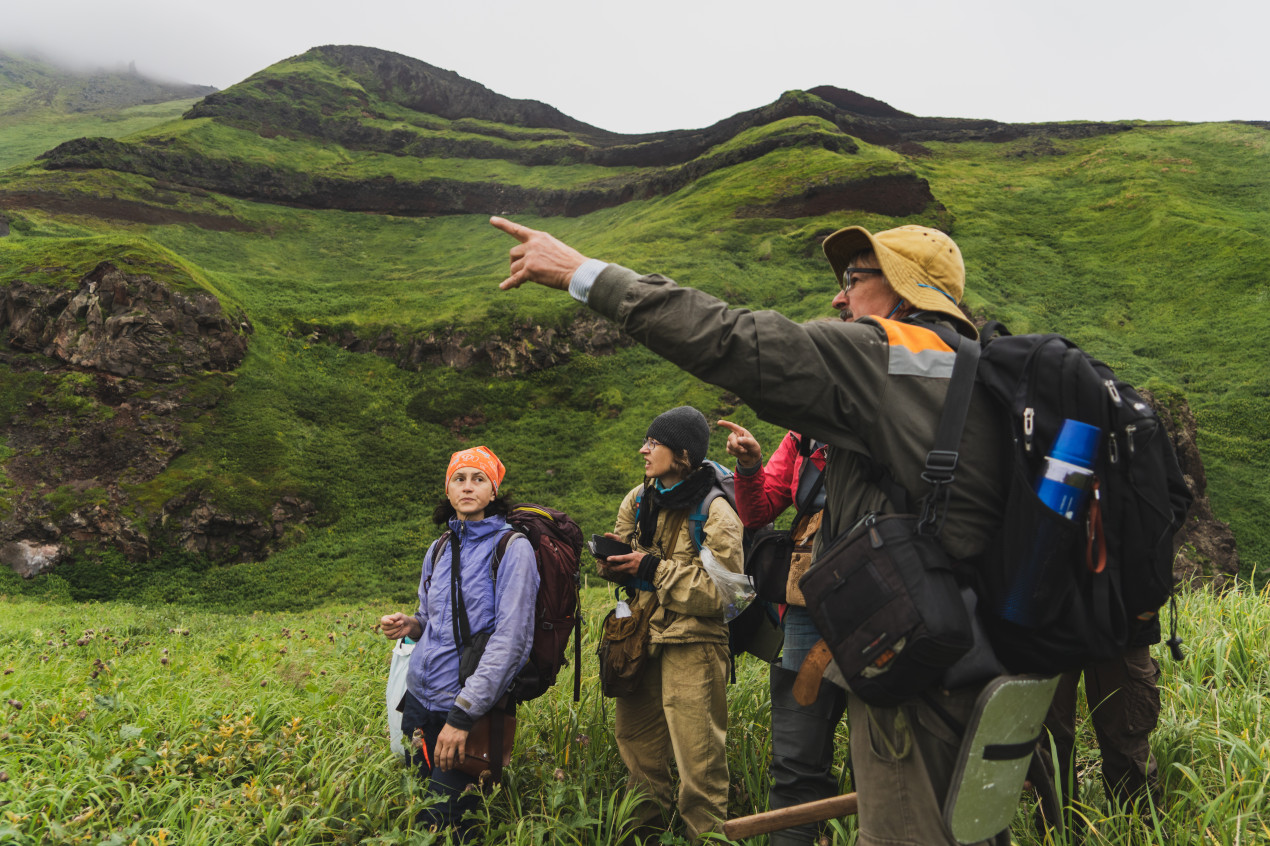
[(539, 257), (742, 445)]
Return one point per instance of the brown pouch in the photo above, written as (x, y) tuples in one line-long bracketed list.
[(489, 743), (624, 645), (798, 564), (800, 560)]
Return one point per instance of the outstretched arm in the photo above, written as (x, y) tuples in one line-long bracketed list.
[(539, 257)]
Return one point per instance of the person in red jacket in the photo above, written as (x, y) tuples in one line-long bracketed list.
[(802, 736)]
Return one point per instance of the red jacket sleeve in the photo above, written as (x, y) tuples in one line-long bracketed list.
[(762, 496)]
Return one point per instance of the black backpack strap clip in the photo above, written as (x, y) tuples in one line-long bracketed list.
[(941, 461)]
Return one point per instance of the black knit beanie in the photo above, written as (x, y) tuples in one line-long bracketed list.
[(682, 428)]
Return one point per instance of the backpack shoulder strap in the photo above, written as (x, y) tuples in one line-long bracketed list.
[(701, 511), (438, 545), (698, 516), (501, 549)]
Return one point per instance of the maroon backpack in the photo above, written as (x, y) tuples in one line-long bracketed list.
[(557, 542)]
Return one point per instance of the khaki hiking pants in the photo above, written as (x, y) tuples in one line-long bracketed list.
[(680, 713)]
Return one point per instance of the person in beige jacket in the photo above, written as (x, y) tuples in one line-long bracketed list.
[(680, 710)]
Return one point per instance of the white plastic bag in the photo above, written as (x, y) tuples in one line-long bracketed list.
[(735, 589), (396, 690)]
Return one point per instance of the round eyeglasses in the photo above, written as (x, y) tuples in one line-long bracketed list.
[(847, 281)]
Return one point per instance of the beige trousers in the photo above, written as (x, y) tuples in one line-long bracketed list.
[(680, 713)]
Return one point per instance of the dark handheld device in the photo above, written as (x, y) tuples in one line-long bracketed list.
[(602, 547)]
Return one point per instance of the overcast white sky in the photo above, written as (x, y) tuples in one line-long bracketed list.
[(675, 64)]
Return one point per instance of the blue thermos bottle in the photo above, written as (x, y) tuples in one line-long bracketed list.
[(1063, 485), (1069, 469)]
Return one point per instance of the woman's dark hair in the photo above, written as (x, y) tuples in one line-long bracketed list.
[(680, 461), (499, 505)]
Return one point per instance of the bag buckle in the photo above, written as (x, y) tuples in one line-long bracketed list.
[(940, 466)]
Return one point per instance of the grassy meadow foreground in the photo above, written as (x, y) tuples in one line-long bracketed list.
[(127, 724)]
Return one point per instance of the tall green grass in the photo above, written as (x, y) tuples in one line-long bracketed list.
[(124, 723)]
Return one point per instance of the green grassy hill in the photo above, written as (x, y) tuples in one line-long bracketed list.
[(336, 204)]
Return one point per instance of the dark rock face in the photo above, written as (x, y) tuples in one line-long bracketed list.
[(857, 104), (1207, 553), (201, 528), (389, 195), (116, 368), (123, 324), (524, 349), (897, 195)]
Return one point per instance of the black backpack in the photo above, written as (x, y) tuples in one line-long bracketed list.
[(557, 542), (1102, 577)]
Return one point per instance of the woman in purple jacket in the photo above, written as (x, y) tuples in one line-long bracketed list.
[(441, 704)]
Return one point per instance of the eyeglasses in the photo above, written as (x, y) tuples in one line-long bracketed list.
[(847, 281), (651, 444)]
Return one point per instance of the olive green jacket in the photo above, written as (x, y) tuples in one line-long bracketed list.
[(691, 610), (875, 387)]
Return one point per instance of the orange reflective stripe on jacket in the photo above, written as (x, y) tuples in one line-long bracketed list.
[(916, 351)]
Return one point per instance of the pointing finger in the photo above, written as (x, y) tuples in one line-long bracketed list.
[(733, 428), (520, 233)]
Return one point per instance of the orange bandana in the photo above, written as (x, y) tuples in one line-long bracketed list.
[(483, 459)]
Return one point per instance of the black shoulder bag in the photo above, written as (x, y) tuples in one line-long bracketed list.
[(884, 595)]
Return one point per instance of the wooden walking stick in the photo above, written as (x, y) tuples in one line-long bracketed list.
[(808, 812)]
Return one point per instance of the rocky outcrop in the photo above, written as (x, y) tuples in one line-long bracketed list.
[(1207, 554), (425, 88), (894, 195), (124, 324), (29, 559), (215, 534), (523, 348), (116, 367)]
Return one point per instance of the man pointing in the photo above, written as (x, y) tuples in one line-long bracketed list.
[(872, 389)]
